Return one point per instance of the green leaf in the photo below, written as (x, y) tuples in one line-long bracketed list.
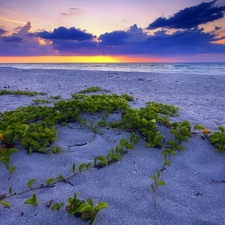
[(30, 150), (123, 141), (11, 169), (199, 127), (153, 120), (57, 206), (86, 208), (10, 190), (167, 162), (89, 165), (153, 187), (29, 201), (171, 143), (25, 130), (90, 201), (180, 147), (164, 154), (32, 201), (30, 183), (222, 129), (101, 205), (175, 133), (115, 157), (5, 204), (160, 182), (61, 177), (16, 138), (82, 166), (129, 146), (136, 140), (132, 137), (73, 167), (11, 151), (144, 121), (158, 174), (50, 180), (153, 177), (85, 216)]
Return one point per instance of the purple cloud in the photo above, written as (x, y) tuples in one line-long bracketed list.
[(62, 33), (190, 17), (22, 43), (133, 41), (114, 38), (12, 39), (188, 41), (2, 31), (71, 11), (217, 28)]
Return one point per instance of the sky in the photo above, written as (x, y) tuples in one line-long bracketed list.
[(112, 31)]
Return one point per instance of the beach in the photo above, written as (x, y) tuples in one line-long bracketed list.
[(194, 192)]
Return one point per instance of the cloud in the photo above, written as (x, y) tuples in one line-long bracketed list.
[(190, 17), (25, 29), (12, 39), (2, 31), (62, 33), (217, 28), (71, 12), (114, 38), (70, 47), (188, 41), (22, 43), (182, 42), (133, 41)]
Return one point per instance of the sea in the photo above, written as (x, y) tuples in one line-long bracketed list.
[(197, 68)]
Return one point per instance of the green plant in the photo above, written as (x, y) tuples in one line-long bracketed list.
[(56, 97), (55, 149), (218, 139), (5, 204), (100, 161), (21, 92), (181, 131), (91, 89), (35, 127), (57, 206), (112, 157), (156, 184), (32, 201), (40, 101), (170, 110), (86, 210), (198, 127), (127, 97), (5, 156)]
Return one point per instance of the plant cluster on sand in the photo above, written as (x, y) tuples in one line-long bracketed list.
[(34, 128)]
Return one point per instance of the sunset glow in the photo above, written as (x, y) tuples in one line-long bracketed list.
[(59, 59), (79, 59), (109, 32)]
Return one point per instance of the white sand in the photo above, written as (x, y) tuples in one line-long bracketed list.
[(189, 196)]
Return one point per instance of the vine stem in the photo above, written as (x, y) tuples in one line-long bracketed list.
[(45, 185)]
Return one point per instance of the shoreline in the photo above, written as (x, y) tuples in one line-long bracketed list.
[(191, 68)]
